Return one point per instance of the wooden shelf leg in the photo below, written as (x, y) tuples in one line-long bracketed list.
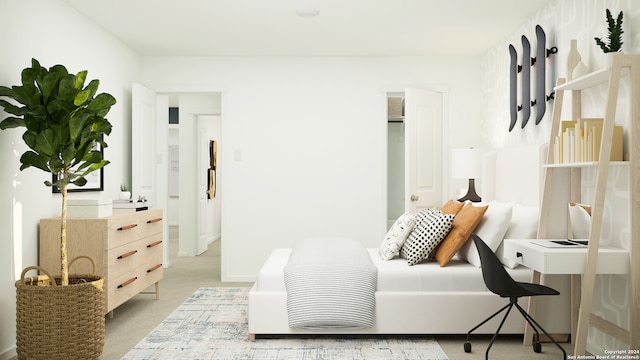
[(576, 290)]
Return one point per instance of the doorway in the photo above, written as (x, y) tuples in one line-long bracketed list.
[(208, 179), (200, 122), (150, 158), (395, 157), (416, 137)]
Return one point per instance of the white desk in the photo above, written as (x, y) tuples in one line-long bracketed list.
[(565, 260)]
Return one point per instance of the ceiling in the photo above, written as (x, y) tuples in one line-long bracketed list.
[(341, 28)]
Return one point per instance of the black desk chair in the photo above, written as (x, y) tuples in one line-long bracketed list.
[(498, 281)]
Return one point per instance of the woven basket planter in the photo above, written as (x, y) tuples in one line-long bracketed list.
[(59, 322)]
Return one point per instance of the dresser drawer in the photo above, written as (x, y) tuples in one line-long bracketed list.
[(152, 272), (130, 256), (126, 227), (130, 283), (123, 287)]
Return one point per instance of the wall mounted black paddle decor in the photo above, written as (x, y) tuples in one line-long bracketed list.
[(526, 81), (541, 53), (524, 69), (513, 86)]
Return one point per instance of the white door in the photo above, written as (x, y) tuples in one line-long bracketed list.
[(423, 149), (205, 217), (143, 145), (149, 151)]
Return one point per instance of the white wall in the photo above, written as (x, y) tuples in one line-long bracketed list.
[(54, 34), (562, 21), (305, 141)]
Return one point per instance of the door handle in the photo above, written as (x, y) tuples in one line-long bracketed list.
[(414, 197)]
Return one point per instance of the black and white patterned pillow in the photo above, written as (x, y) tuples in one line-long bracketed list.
[(397, 235), (431, 228)]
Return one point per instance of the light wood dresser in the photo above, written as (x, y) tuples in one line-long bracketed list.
[(127, 248)]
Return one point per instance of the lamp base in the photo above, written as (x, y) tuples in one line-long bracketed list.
[(471, 193)]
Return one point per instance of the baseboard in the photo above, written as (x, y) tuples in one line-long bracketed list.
[(9, 354), (214, 239), (561, 338)]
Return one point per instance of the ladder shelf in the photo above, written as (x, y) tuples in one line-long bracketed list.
[(622, 66)]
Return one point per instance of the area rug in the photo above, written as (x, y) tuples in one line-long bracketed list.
[(212, 324)]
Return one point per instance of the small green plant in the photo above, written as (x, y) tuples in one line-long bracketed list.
[(124, 187), (614, 36)]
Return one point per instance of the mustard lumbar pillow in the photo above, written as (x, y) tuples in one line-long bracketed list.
[(465, 222), (452, 207)]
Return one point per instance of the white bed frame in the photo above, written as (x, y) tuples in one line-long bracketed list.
[(512, 174)]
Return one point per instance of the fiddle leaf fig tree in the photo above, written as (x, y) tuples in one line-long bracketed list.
[(64, 120)]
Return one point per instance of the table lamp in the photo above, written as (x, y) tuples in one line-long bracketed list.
[(466, 164)]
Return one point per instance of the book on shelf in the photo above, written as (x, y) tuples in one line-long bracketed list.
[(563, 138), (580, 141), (129, 205)]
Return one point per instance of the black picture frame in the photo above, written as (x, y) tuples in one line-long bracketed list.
[(95, 180)]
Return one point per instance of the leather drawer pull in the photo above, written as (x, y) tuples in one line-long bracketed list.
[(127, 282), (127, 227), (154, 244), (154, 220), (125, 255), (154, 268)]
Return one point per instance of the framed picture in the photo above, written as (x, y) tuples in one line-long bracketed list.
[(95, 180)]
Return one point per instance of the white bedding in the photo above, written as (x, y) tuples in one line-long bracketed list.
[(396, 275)]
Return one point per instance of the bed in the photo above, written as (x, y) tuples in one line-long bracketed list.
[(427, 298)]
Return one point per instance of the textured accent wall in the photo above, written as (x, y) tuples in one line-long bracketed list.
[(562, 21)]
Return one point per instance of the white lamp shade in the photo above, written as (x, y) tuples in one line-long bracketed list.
[(466, 163)]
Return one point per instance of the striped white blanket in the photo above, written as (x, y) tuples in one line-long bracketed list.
[(331, 283)]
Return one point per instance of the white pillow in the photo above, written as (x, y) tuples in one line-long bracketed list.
[(491, 230), (430, 229), (580, 221), (397, 235), (524, 225)]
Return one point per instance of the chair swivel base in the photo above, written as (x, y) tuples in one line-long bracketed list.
[(537, 346)]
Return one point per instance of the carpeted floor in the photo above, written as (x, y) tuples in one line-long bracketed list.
[(212, 324)]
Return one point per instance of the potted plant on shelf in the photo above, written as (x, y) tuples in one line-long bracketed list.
[(614, 37), (125, 193), (63, 119)]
